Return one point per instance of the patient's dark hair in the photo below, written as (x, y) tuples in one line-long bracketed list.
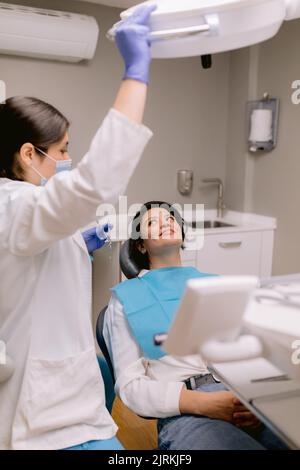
[(136, 241), (24, 119)]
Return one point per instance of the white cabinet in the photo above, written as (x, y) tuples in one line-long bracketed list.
[(239, 252), (231, 253), (189, 257)]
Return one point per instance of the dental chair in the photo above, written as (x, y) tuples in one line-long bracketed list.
[(102, 344), (130, 270), (136, 432), (108, 383), (128, 266)]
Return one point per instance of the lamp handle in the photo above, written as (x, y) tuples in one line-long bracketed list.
[(211, 26)]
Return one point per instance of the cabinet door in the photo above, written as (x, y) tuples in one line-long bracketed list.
[(231, 253), (189, 257)]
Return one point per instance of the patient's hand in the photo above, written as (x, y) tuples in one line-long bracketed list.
[(243, 418), (221, 405), (216, 405)]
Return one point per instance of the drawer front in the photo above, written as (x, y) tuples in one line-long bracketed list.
[(232, 253), (189, 257), (190, 262)]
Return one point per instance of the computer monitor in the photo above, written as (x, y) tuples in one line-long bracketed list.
[(211, 309)]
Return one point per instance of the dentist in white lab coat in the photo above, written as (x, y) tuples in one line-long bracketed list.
[(55, 398)]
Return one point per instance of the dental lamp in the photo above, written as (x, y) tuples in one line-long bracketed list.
[(204, 27)]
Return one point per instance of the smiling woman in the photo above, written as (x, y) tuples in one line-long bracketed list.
[(195, 411), (155, 221)]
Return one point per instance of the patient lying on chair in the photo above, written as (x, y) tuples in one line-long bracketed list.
[(195, 411)]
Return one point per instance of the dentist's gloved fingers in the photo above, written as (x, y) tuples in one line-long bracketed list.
[(87, 234), (134, 45), (102, 231), (127, 35), (132, 38), (92, 241), (108, 227), (142, 14)]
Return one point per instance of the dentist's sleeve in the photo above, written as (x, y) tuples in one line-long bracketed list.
[(40, 216), (143, 395)]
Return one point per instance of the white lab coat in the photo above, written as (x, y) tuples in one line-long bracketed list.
[(55, 398)]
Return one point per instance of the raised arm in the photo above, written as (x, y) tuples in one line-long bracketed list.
[(134, 46), (131, 100)]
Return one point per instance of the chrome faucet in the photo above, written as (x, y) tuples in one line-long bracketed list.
[(220, 202)]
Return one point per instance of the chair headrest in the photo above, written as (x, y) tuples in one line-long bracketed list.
[(128, 266)]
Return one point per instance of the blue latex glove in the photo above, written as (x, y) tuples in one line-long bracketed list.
[(96, 237), (132, 38)]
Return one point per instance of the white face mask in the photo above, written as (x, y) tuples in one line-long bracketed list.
[(60, 165)]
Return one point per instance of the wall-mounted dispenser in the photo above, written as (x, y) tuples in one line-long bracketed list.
[(263, 124), (185, 181)]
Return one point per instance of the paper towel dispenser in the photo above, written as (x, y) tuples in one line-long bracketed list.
[(200, 27), (263, 117)]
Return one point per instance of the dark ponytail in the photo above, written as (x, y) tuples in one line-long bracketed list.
[(22, 120)]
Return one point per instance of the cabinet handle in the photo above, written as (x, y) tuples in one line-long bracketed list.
[(230, 244)]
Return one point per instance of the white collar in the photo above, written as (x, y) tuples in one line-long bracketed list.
[(143, 272)]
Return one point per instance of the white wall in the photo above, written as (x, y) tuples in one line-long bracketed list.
[(276, 188), (268, 184), (198, 118), (187, 107), (236, 142)]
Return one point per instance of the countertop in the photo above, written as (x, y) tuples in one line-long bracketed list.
[(241, 221)]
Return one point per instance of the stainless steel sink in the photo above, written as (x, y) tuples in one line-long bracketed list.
[(208, 224)]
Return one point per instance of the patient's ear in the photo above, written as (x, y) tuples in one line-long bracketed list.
[(141, 248)]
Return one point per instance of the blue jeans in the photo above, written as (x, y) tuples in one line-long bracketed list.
[(192, 432), (106, 444)]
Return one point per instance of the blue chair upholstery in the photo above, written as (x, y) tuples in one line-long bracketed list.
[(128, 265), (130, 270), (108, 383)]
